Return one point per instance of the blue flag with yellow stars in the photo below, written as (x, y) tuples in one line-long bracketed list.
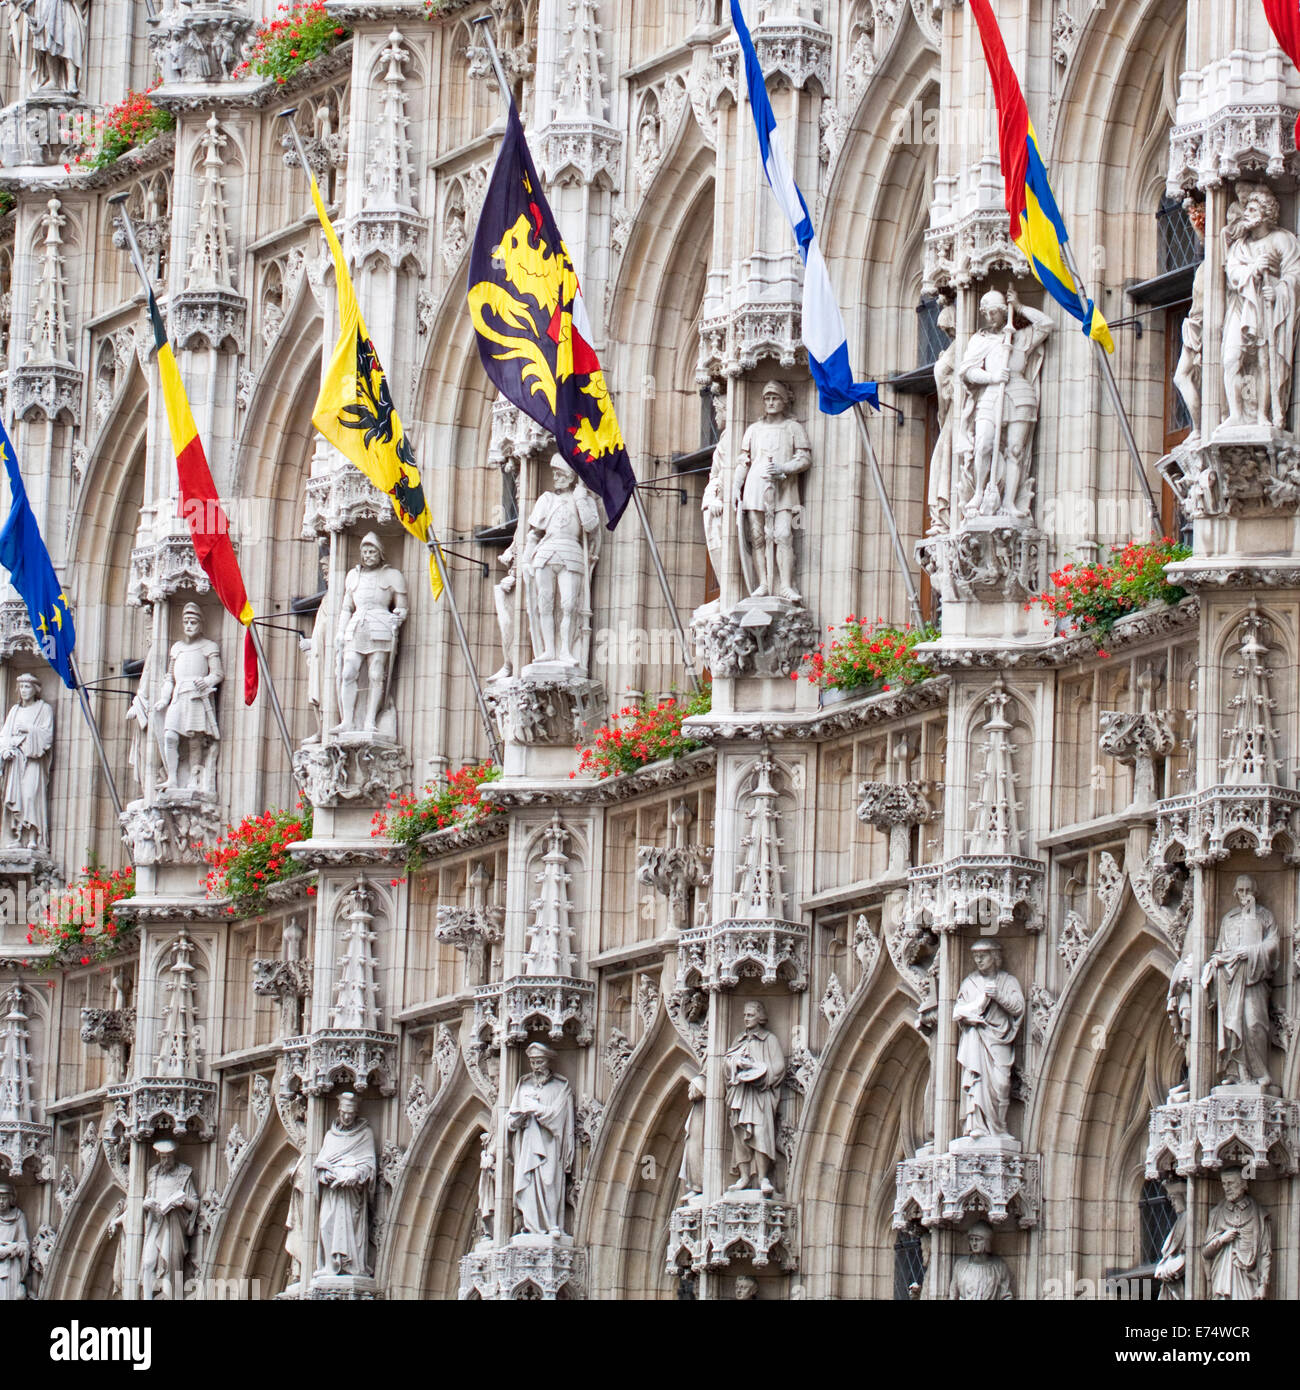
[(534, 339), (23, 554)]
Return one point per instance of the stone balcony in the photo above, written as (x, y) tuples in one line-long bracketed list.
[(1231, 1127), (524, 1271), (26, 1146), (509, 1008), (160, 1105), (976, 889), (1208, 825), (351, 1058), (739, 1226)]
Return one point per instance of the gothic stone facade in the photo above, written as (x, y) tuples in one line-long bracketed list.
[(1122, 827)]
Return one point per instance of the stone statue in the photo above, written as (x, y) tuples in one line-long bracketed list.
[(765, 494), (746, 1290), (189, 696), (487, 1184), (1000, 369), (941, 479), (374, 609), (542, 1124), (171, 1210), (1262, 312), (560, 553), (713, 505), (137, 722), (15, 1247), (989, 1010), (501, 598), (345, 1173), (753, 1069), (1171, 1268), (293, 1222), (692, 1170), (56, 33), (1187, 375), (981, 1276), (25, 743), (313, 649), (115, 1231), (1238, 1243), (1178, 1000), (1238, 975)]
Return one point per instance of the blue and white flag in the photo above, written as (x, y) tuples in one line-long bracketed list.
[(823, 326)]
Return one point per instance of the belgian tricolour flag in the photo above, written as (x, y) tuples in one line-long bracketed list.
[(199, 502), (1036, 225)]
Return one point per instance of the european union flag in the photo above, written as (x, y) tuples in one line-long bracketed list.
[(23, 554)]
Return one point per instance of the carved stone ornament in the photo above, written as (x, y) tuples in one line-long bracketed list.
[(473, 930), (796, 50), (1139, 741), (174, 829), (15, 629), (759, 637), (987, 559), (524, 1273), (201, 41), (688, 1012), (394, 235), (1258, 1133), (350, 1058), (23, 1142), (1205, 827), (509, 1008), (1236, 138), (681, 872), (44, 129), (720, 955), (959, 892), (51, 389), (969, 249), (108, 1027), (546, 710), (1242, 470), (207, 318), (340, 500), (738, 1227), (160, 570), (945, 1189), (162, 1105), (356, 770), (893, 809)]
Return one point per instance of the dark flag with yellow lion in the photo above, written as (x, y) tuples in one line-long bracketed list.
[(532, 328)]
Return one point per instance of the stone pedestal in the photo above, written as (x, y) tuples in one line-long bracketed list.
[(528, 1269), (946, 1189)]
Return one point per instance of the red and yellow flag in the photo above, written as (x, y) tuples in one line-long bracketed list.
[(199, 502)]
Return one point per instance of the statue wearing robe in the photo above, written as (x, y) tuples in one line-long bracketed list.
[(25, 743), (345, 1169), (754, 1068), (171, 1211), (989, 1010), (1239, 974), (542, 1128), (15, 1253), (1238, 1245), (980, 1279)]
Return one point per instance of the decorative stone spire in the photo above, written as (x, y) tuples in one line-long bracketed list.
[(550, 937), (997, 812), (758, 880), (580, 91), (15, 1061), (679, 872), (177, 1051), (1252, 759), (48, 338), (388, 167), (210, 267), (356, 993)]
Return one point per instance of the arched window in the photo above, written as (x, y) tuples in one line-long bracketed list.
[(909, 1265), (1156, 1217)]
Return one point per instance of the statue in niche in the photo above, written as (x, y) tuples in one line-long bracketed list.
[(1000, 369), (25, 744), (15, 1246), (1187, 375), (713, 505), (373, 611), (502, 592), (293, 1222), (54, 34), (1171, 1268), (188, 695), (345, 1173), (753, 1069), (989, 1010), (313, 648), (765, 494), (115, 1231), (1262, 311), (1178, 1001), (746, 1290), (487, 1185), (941, 479), (981, 1276), (559, 556), (692, 1170), (171, 1210), (1238, 976), (542, 1124), (1238, 1243)]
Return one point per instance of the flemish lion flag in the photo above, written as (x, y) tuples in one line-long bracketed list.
[(355, 412), (1036, 225), (534, 338), (199, 503)]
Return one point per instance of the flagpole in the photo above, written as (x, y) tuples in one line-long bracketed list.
[(1112, 388), (909, 583), (119, 202), (642, 515), (93, 724), (485, 714)]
